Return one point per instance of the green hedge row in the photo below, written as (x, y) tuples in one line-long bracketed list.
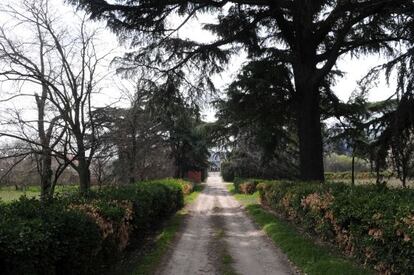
[(358, 175), (73, 235), (246, 186), (186, 186), (374, 225)]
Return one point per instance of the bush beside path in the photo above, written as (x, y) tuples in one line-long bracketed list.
[(84, 235)]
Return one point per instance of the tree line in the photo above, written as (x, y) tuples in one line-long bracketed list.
[(298, 42), (60, 68)]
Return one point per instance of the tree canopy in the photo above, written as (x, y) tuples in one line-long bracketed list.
[(307, 37)]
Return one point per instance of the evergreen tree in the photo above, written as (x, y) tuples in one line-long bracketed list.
[(184, 131), (307, 36), (257, 120)]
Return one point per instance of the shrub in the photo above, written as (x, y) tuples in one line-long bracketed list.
[(35, 239), (186, 186), (74, 235), (376, 225), (246, 186), (227, 171), (358, 175)]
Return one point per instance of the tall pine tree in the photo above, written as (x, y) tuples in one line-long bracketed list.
[(308, 36)]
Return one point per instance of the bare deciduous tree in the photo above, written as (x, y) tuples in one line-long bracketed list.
[(63, 64)]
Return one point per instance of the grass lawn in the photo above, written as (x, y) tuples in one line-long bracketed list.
[(309, 257), (391, 183), (9, 193), (147, 262)]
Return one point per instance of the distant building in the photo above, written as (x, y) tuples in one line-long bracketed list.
[(215, 160)]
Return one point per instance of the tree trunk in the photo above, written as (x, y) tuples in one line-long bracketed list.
[(46, 173), (404, 170), (377, 171), (182, 172), (353, 170), (177, 171), (131, 172), (46, 191), (133, 156), (307, 82), (84, 177), (83, 170), (309, 131)]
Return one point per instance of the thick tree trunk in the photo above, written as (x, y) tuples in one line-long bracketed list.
[(84, 177), (307, 83), (309, 131), (83, 170), (46, 174)]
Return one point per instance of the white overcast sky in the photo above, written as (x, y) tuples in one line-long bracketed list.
[(354, 68)]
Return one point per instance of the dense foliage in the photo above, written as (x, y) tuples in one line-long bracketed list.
[(256, 122), (227, 171), (304, 38), (246, 159), (186, 133), (246, 186), (376, 225), (360, 175), (73, 235)]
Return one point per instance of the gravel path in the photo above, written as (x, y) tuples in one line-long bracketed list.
[(217, 228)]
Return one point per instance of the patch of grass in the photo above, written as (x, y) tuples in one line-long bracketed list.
[(244, 198), (310, 258), (9, 194), (226, 267), (150, 261), (225, 263), (193, 196), (147, 263), (219, 233), (227, 259)]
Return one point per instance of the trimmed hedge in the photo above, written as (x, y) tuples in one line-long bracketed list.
[(246, 186), (73, 235), (186, 186), (375, 225), (358, 175)]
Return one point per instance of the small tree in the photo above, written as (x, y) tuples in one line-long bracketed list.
[(354, 127)]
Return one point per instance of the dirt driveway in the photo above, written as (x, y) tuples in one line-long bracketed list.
[(218, 238)]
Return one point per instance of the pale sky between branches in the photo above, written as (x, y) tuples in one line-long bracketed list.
[(355, 68)]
